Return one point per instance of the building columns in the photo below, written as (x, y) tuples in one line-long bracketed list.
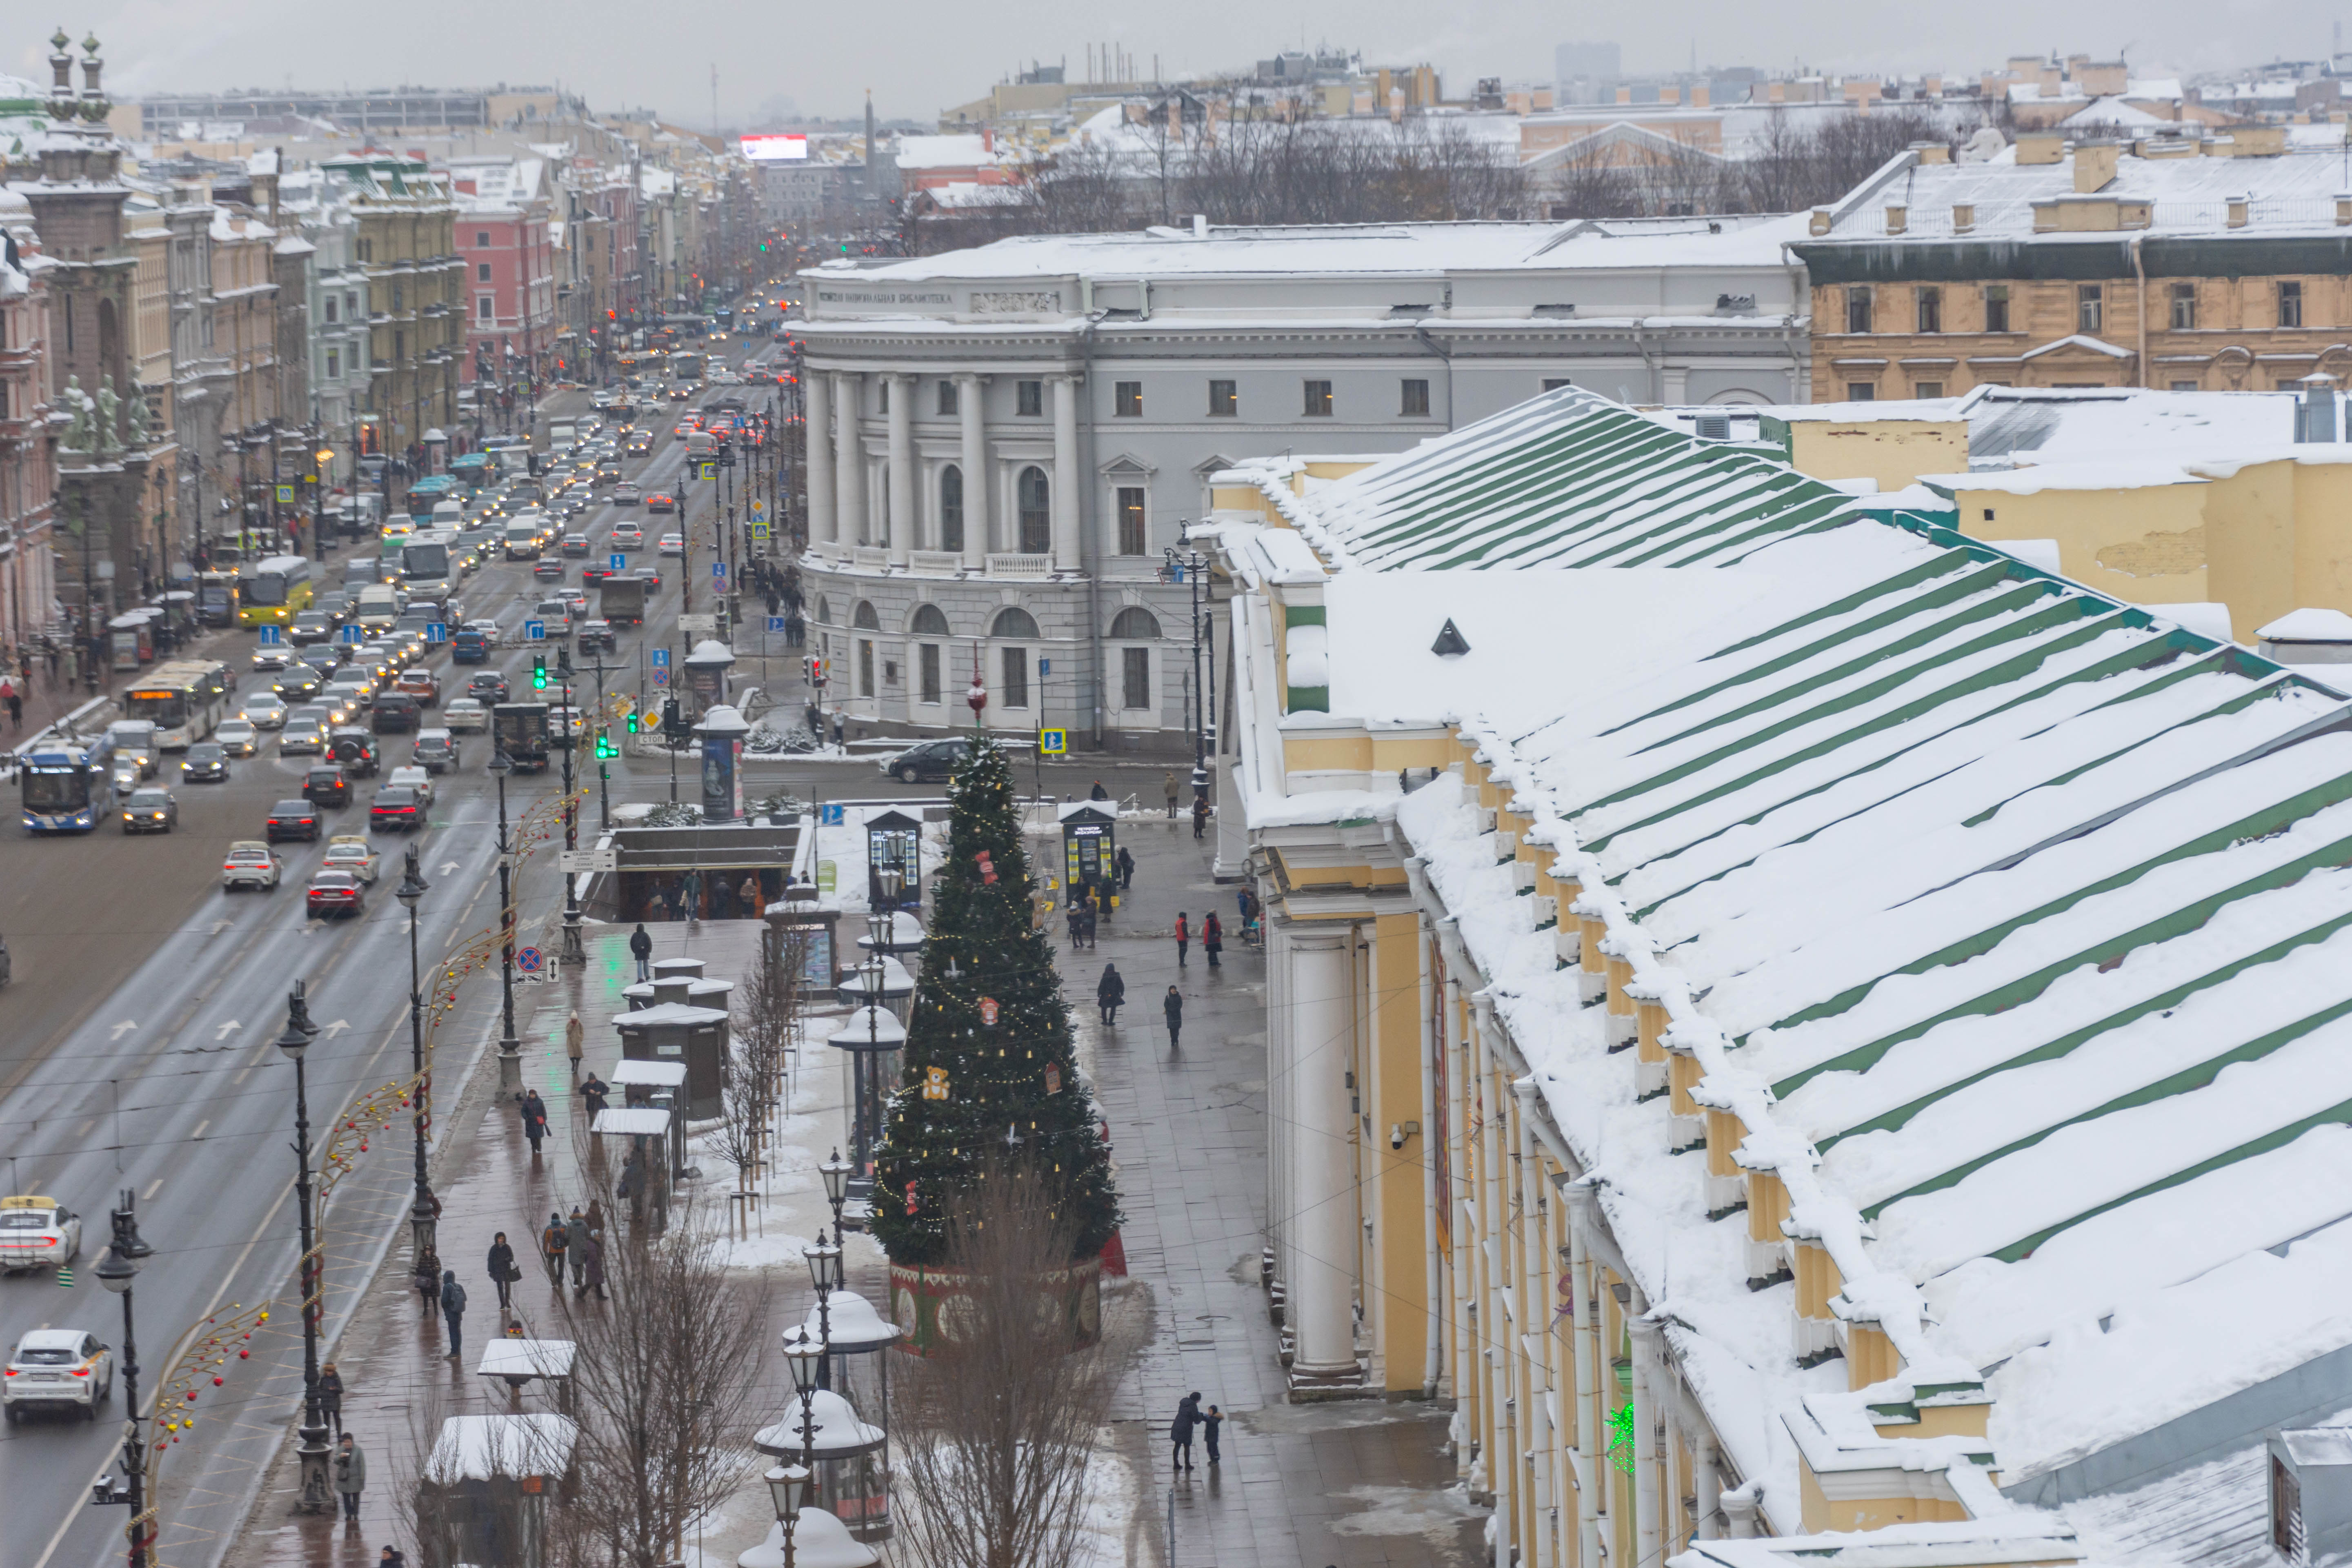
[(900, 390), (824, 519), (849, 460), (1323, 1199), (975, 471), (1067, 478)]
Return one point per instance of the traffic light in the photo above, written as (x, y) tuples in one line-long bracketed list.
[(539, 672), (605, 749), (672, 721), (634, 726)]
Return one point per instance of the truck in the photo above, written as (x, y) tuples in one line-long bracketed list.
[(520, 731), (622, 600)]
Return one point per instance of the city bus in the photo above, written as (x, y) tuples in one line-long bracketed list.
[(427, 493), (685, 366), (216, 598), (275, 591), (472, 470), (61, 782), (185, 700)]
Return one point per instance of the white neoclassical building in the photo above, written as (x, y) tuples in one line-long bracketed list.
[(1003, 441)]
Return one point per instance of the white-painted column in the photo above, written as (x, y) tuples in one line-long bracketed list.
[(1583, 1313), (1067, 478), (1280, 1071), (1647, 1334), (1535, 1297), (901, 390), (823, 520), (848, 459), (1323, 1201), (1706, 1483), (975, 472)]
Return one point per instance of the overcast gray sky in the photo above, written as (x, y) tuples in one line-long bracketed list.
[(920, 55)]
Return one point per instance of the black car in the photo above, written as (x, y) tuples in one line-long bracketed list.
[(291, 819), (395, 712), (396, 811), (489, 686), (325, 658), (548, 568), (327, 785), (310, 626), (931, 760), (355, 751), (207, 762), (298, 684)]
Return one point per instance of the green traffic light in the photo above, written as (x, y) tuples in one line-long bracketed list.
[(539, 671), (633, 723)]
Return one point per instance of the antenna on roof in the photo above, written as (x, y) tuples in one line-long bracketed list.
[(1450, 641)]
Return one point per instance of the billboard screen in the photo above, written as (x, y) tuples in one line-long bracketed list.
[(769, 149)]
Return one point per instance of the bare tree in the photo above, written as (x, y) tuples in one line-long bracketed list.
[(998, 1423)]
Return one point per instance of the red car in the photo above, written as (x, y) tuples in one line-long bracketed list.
[(661, 501), (335, 893)]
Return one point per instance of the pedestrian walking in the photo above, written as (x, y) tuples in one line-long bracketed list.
[(747, 898), (330, 1396), (596, 1219), (1183, 938), (658, 908), (1173, 1005), (1126, 864), (503, 1272), (1098, 792), (1168, 788), (1213, 937), (391, 1559), (1209, 1425), (1180, 1431), (690, 895), (592, 1274), (1110, 993), (575, 1040), (351, 1479), (15, 709), (1199, 818), (453, 1312), (575, 1247), (534, 1119), (551, 1243), (1077, 920), (1087, 920), (593, 1093), (632, 1187), (840, 729), (641, 948)]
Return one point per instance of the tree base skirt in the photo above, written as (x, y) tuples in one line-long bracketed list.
[(933, 1305)]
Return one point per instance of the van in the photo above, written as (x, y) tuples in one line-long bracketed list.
[(523, 536), (378, 606), (449, 514)]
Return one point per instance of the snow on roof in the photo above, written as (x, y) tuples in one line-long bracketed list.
[(2309, 626), (2009, 426), (918, 152), (2115, 112), (2009, 921), (484, 1447)]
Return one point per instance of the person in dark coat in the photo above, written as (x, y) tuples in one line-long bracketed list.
[(593, 1093), (592, 1274), (1213, 937), (575, 1244), (1209, 1425), (1077, 920), (351, 1479), (453, 1312), (551, 1243), (1172, 1004), (1199, 818), (1126, 864), (330, 1396), (1098, 792), (1110, 993), (641, 948), (534, 1119), (1089, 919), (502, 1270), (1180, 1431), (1183, 939)]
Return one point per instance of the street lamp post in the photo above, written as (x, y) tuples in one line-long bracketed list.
[(572, 951), (424, 1211), (116, 1271), (323, 457), (784, 1484), (836, 1172), (295, 1042), (509, 1049), (1194, 566)]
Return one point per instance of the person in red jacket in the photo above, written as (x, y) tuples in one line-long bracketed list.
[(1183, 939), (1213, 937)]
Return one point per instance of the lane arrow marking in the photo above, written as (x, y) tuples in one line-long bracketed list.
[(448, 868), (124, 1028), (226, 1028), (220, 926), (337, 1027)]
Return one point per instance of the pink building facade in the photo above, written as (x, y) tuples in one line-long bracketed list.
[(503, 236)]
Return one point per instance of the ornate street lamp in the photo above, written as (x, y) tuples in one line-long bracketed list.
[(116, 1271), (424, 1211), (295, 1041)]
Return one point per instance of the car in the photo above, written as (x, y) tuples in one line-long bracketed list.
[(269, 657), (352, 854), (466, 716), (207, 762), (638, 445), (134, 738), (555, 615), (252, 863), (396, 810), (321, 711), (421, 684), (413, 777), (347, 695), (327, 784), (298, 683), (58, 1368), (310, 625), (489, 686), (354, 750), (290, 819), (335, 606), (548, 569), (325, 658), (650, 576), (563, 724), (36, 1232), (575, 600), (238, 737), (591, 575), (625, 493), (435, 751), (151, 810), (932, 760), (334, 893), (301, 737), (597, 633), (628, 535), (395, 712), (661, 501), (575, 545), (673, 544), (681, 392)]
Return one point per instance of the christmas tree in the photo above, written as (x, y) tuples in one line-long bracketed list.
[(989, 1073)]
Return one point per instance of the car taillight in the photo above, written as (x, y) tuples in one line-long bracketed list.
[(48, 1241), (81, 1371)]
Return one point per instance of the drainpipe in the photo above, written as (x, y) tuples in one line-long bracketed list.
[(1585, 1327), (1431, 345), (1089, 551), (1647, 1332), (1432, 1042), (1534, 1321), (2140, 272)]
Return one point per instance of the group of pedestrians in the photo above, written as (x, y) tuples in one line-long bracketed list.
[(1188, 1416), (577, 1243)]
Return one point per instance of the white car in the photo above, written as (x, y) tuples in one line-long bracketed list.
[(412, 778), (349, 853), (673, 544), (250, 863), (264, 711), (37, 1233), (301, 736), (238, 737), (465, 715), (628, 535), (61, 1368)]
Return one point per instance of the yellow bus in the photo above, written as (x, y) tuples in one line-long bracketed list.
[(275, 591)]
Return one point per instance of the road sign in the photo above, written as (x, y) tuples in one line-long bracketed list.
[(775, 623), (759, 508), (620, 562), (575, 861), (286, 495), (697, 623), (1053, 742), (437, 631), (661, 675), (831, 815), (534, 631), (759, 531), (528, 960), (353, 635), (272, 637), (1044, 667), (660, 656), (719, 570)]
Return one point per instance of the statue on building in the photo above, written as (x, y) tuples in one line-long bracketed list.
[(79, 435), (110, 410)]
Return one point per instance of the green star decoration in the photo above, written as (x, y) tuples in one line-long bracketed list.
[(1620, 1438)]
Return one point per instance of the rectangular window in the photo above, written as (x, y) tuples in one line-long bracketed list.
[(330, 310), (1862, 392), (1927, 389), (483, 309), (885, 384), (1224, 402), (481, 238), (1126, 401), (947, 397), (928, 657), (1554, 382), (1415, 402), (2291, 304), (2184, 386), (1931, 310), (864, 667), (351, 304), (1015, 682), (1319, 400), (1995, 298), (1135, 677), (334, 364), (481, 272), (1029, 399), (1858, 310), (1131, 520), (399, 347), (2090, 307), (2184, 306)]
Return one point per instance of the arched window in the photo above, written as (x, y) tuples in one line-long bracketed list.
[(1135, 623), (865, 620), (1036, 510), (950, 508), (823, 610), (1012, 621), (930, 622)]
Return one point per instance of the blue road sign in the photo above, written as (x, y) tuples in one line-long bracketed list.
[(718, 569), (272, 637), (619, 561), (661, 675), (831, 815), (353, 635), (775, 623), (535, 631), (660, 658), (528, 960), (437, 631), (1044, 667)]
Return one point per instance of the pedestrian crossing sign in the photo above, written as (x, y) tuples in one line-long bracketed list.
[(1053, 742), (286, 495)]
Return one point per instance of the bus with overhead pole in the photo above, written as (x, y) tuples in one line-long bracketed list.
[(60, 781), (185, 700)]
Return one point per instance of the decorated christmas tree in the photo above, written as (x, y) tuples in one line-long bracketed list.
[(989, 1076)]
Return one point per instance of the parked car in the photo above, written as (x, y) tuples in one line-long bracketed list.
[(252, 864)]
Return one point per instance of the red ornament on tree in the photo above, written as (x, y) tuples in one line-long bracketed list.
[(987, 867), (911, 1197), (1052, 1077), (988, 1011)]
